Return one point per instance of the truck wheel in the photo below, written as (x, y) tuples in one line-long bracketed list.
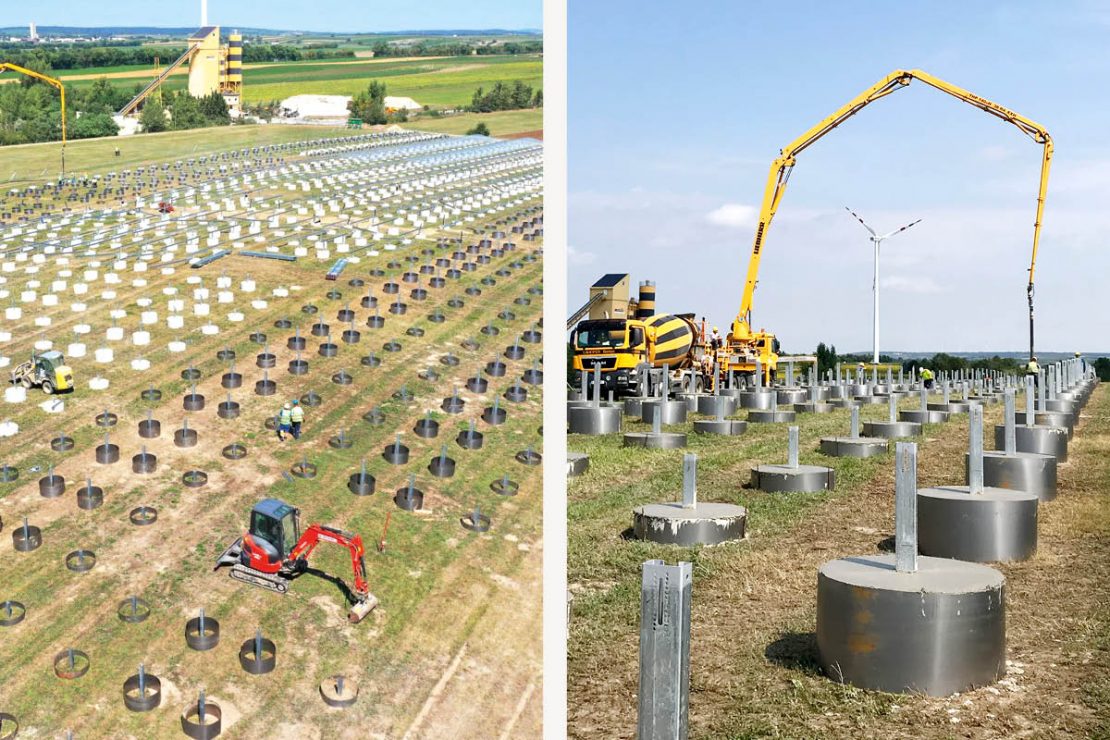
[(25, 382), (47, 387)]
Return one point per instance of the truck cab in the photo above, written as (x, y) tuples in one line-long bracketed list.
[(739, 358), (619, 346)]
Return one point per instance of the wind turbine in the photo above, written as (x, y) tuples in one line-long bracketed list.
[(877, 241)]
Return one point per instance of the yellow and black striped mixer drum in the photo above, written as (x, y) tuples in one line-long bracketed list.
[(674, 337)]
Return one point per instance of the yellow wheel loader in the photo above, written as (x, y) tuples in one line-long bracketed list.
[(47, 371)]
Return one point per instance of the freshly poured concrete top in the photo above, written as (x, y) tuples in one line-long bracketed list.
[(933, 575), (702, 510), (989, 493)]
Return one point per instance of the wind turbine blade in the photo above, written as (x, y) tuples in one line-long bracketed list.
[(899, 231), (849, 210)]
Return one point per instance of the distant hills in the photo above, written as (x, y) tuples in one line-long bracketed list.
[(185, 31)]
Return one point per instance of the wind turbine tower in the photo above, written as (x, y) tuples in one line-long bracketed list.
[(877, 241)]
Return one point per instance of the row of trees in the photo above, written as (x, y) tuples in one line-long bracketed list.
[(31, 112), (80, 56), (827, 358), (506, 97), (180, 111), (384, 48)]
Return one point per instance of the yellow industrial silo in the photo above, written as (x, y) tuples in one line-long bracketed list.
[(204, 64)]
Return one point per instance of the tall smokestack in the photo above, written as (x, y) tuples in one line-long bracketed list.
[(203, 13)]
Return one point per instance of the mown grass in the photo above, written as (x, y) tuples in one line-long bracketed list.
[(604, 564), (41, 161)]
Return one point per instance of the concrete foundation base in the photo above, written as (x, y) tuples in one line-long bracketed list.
[(661, 441), (783, 478), (1020, 471), (937, 631), (594, 421), (997, 525), (849, 447), (705, 523), (1041, 440), (923, 417), (728, 427), (891, 429), (760, 416)]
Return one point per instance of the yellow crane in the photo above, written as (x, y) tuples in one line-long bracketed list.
[(5, 66), (742, 341)]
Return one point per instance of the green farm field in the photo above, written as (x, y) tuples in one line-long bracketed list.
[(438, 82)]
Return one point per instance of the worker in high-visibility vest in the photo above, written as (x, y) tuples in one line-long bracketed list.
[(1033, 369), (927, 377), (297, 418), (285, 421)]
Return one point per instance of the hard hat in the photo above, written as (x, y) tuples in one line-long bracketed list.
[(296, 402), (288, 406), (1034, 359), (1077, 354), (716, 329)]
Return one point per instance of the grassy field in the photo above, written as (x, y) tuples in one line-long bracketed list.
[(38, 162), (443, 82), (448, 597), (502, 123), (754, 669)]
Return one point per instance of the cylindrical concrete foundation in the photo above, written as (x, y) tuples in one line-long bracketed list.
[(937, 631), (766, 416), (1041, 440), (783, 478), (891, 429), (705, 523), (727, 427), (671, 412), (853, 447), (594, 421), (996, 525), (1021, 471), (923, 417), (661, 441)]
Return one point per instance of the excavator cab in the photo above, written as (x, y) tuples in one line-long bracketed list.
[(274, 530)]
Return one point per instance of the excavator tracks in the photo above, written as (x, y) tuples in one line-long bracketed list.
[(275, 584)]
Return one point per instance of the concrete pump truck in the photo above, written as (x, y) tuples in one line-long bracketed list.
[(743, 346)]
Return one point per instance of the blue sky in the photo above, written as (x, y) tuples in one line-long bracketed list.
[(676, 112), (317, 15)]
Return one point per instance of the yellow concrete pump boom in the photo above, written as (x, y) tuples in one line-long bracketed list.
[(781, 167), (4, 66)]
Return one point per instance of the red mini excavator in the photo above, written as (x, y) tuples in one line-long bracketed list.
[(274, 551)]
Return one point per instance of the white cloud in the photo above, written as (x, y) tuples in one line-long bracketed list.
[(733, 215), (580, 257), (907, 284)]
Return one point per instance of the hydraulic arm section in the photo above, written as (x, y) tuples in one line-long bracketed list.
[(782, 166), (4, 66)]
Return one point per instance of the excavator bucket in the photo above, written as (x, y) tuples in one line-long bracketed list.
[(231, 555), (362, 608)]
